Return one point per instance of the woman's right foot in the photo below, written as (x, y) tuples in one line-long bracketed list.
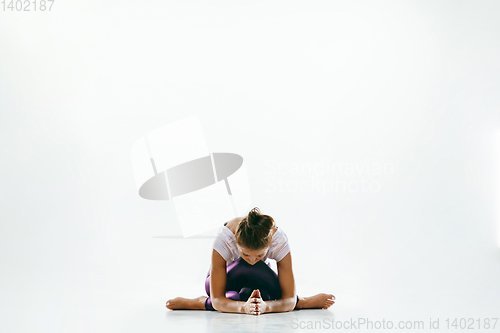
[(181, 303), (319, 301)]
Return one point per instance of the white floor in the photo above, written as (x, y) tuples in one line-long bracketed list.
[(127, 292)]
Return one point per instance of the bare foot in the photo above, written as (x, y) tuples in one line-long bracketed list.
[(319, 301), (181, 303)]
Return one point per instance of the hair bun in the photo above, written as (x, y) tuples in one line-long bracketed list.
[(253, 218), (254, 212)]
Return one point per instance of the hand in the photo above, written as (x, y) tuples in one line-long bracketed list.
[(255, 305)]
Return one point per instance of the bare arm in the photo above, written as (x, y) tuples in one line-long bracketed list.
[(287, 284), (218, 277)]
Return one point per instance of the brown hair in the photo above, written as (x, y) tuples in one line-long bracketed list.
[(253, 232)]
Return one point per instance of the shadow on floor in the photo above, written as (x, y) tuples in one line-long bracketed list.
[(214, 321)]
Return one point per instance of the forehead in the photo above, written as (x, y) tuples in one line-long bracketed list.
[(252, 252)]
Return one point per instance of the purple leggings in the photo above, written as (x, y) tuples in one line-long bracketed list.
[(243, 278)]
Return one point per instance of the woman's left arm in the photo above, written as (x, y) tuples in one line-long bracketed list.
[(287, 284)]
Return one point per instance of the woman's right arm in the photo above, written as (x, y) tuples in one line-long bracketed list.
[(218, 278)]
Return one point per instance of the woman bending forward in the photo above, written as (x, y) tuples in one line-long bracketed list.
[(239, 279)]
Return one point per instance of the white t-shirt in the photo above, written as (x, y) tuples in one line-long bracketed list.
[(225, 245)]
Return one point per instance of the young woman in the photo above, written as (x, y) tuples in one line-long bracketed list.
[(239, 279)]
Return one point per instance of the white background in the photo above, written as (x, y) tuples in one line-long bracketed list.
[(293, 87)]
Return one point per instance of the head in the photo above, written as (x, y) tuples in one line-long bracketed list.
[(253, 236)]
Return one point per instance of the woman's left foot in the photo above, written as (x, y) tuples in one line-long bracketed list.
[(181, 303), (319, 301)]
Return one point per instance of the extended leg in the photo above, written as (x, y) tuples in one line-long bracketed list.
[(318, 301), (181, 303)]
